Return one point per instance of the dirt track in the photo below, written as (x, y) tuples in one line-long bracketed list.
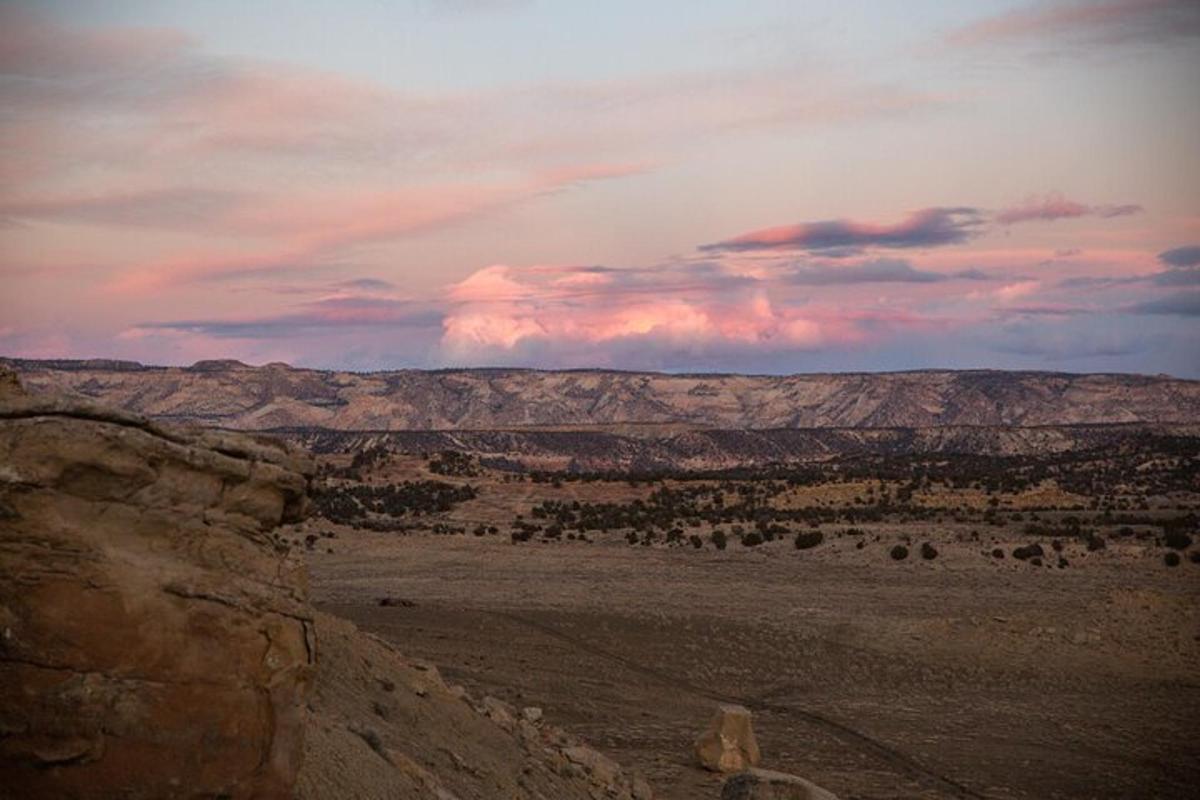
[(953, 678)]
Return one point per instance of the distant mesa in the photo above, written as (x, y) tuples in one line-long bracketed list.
[(217, 365), (279, 396)]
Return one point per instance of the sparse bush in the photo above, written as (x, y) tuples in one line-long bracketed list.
[(696, 541), (899, 553), (719, 539), (1171, 559), (631, 537), (997, 553), (751, 539), (1095, 542), (928, 551), (809, 539), (1177, 540), (1194, 556), (1028, 551)]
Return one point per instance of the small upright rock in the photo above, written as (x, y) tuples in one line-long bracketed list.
[(765, 784), (728, 745)]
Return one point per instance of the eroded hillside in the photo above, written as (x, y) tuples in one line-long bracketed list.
[(234, 395)]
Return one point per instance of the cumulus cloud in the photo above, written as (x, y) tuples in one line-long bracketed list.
[(665, 317), (929, 227)]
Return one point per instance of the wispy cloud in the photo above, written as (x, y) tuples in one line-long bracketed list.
[(1102, 22), (1054, 206), (883, 270), (1184, 305), (325, 315), (929, 227), (1186, 256)]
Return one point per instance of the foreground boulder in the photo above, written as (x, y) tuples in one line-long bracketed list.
[(728, 744), (155, 643), (764, 784)]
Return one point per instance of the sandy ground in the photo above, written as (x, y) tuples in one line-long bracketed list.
[(958, 677)]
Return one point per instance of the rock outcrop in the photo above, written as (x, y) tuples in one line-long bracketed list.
[(385, 726), (156, 640), (155, 643), (728, 744)]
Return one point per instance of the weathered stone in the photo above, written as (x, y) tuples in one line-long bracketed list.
[(728, 744), (600, 768), (499, 712), (532, 713), (764, 784), (155, 644)]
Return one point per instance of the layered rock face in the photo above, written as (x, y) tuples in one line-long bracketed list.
[(234, 395), (153, 641)]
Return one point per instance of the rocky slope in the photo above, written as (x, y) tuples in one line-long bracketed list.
[(599, 450), (157, 640), (233, 395)]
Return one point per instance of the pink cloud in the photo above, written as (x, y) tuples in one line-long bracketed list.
[(501, 312)]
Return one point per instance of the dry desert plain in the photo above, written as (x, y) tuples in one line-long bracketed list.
[(962, 675)]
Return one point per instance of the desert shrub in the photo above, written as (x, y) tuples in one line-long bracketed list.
[(809, 539), (1171, 559), (1095, 542), (861, 544), (1057, 545), (719, 539), (696, 541), (1177, 540), (1037, 562), (1028, 551), (452, 462), (751, 539), (396, 602), (899, 553), (1194, 556), (997, 553), (1063, 563), (521, 535), (631, 537), (928, 551)]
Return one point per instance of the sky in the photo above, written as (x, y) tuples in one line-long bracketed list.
[(754, 186)]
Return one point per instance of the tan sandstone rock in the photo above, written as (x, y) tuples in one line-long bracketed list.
[(728, 744), (765, 784), (154, 642)]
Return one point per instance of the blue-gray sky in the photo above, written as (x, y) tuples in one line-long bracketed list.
[(756, 185)]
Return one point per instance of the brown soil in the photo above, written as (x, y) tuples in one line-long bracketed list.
[(959, 677)]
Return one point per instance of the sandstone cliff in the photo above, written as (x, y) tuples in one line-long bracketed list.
[(233, 395), (155, 644)]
